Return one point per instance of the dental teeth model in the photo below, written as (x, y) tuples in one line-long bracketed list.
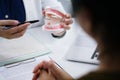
[(54, 20)]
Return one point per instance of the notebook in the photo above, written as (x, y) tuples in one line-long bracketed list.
[(83, 50), (20, 49)]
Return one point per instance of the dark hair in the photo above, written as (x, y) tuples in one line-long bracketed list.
[(105, 18)]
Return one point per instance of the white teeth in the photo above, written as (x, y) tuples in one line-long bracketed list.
[(53, 20)]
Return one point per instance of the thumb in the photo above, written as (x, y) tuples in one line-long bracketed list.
[(67, 16), (43, 75), (59, 73), (54, 69), (8, 22)]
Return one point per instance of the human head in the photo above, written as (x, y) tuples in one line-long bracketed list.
[(100, 19)]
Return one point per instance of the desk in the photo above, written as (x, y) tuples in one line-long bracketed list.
[(59, 48)]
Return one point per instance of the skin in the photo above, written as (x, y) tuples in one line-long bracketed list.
[(46, 75), (57, 73), (14, 32)]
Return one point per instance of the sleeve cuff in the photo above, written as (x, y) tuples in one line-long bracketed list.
[(55, 36)]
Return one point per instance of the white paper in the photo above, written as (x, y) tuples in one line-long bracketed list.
[(21, 72)]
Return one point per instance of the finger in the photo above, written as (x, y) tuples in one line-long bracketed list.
[(43, 75), (51, 75), (36, 75), (66, 27), (8, 22), (17, 28), (17, 35), (12, 36), (59, 73), (43, 72), (21, 30), (55, 70), (68, 21), (67, 16), (39, 66)]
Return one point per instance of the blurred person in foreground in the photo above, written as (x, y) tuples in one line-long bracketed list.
[(100, 19)]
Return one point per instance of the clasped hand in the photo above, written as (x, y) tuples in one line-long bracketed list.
[(47, 70)]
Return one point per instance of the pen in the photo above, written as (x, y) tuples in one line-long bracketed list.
[(56, 63), (9, 26), (33, 21)]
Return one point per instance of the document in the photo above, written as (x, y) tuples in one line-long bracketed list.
[(19, 49)]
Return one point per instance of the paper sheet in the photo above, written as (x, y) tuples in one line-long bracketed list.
[(19, 49), (21, 72)]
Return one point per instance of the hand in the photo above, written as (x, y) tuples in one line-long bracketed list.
[(68, 20), (14, 32), (37, 70), (56, 72), (46, 75)]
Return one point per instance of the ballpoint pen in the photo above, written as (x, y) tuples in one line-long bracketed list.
[(9, 26)]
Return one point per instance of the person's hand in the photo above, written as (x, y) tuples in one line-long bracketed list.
[(14, 32), (46, 75), (39, 68), (54, 71), (68, 20)]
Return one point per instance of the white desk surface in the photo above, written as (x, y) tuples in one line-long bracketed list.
[(59, 48)]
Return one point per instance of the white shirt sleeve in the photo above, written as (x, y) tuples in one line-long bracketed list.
[(34, 9)]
